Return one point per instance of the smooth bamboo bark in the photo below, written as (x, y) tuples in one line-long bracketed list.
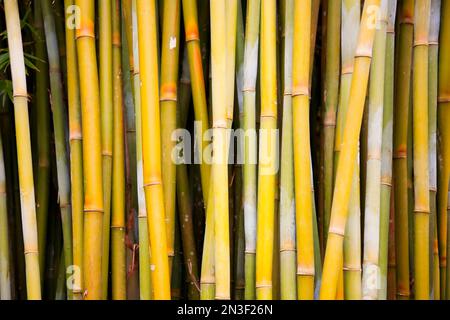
[(106, 107), (250, 147), (421, 165), (151, 147), (27, 199), (302, 150), (168, 98), (287, 199), (371, 268), (401, 114), (363, 57), (386, 151), (5, 261), (92, 152), (118, 252), (76, 153), (267, 152), (59, 126)]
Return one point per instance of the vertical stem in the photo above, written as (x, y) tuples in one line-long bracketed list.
[(76, 154), (92, 151), (151, 147), (268, 152), (346, 165)]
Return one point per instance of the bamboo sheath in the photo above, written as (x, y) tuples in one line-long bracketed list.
[(106, 109), (288, 262), (346, 164), (401, 114), (42, 136), (27, 199), (444, 144), (92, 152), (352, 242), (59, 124), (144, 246), (267, 158), (118, 252), (386, 151), (433, 60), (151, 148), (76, 154), (421, 165), (444, 135), (250, 152), (168, 98), (371, 268)]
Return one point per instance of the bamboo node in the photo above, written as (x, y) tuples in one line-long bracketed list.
[(305, 271), (30, 251), (352, 268), (248, 89), (420, 42), (336, 231), (444, 99), (92, 210), (152, 184)]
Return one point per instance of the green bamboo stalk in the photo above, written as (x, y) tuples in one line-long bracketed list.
[(331, 94), (250, 152), (106, 107), (144, 245), (43, 135), (287, 206), (168, 98), (433, 64), (352, 242), (118, 253), (386, 151), (401, 114), (371, 268), (76, 154), (59, 125), (23, 149)]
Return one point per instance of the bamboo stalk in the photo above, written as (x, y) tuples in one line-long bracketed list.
[(118, 253), (444, 139), (352, 242), (59, 124), (43, 136), (250, 152), (168, 98), (23, 149), (302, 150), (267, 165), (421, 165), (331, 94), (198, 85), (144, 245), (92, 152), (401, 114), (287, 204), (151, 148), (433, 60), (386, 151), (76, 154), (444, 135), (346, 164), (371, 268), (106, 107)]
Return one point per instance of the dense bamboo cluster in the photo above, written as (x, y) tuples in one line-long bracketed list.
[(224, 149)]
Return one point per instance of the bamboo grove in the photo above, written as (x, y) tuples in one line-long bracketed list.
[(224, 149)]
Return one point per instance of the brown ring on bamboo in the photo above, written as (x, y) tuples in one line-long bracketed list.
[(350, 268), (250, 89), (92, 210), (151, 184)]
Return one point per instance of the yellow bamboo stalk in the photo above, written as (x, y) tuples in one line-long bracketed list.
[(421, 166), (92, 151), (346, 165), (25, 164), (151, 147), (267, 152), (302, 149)]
